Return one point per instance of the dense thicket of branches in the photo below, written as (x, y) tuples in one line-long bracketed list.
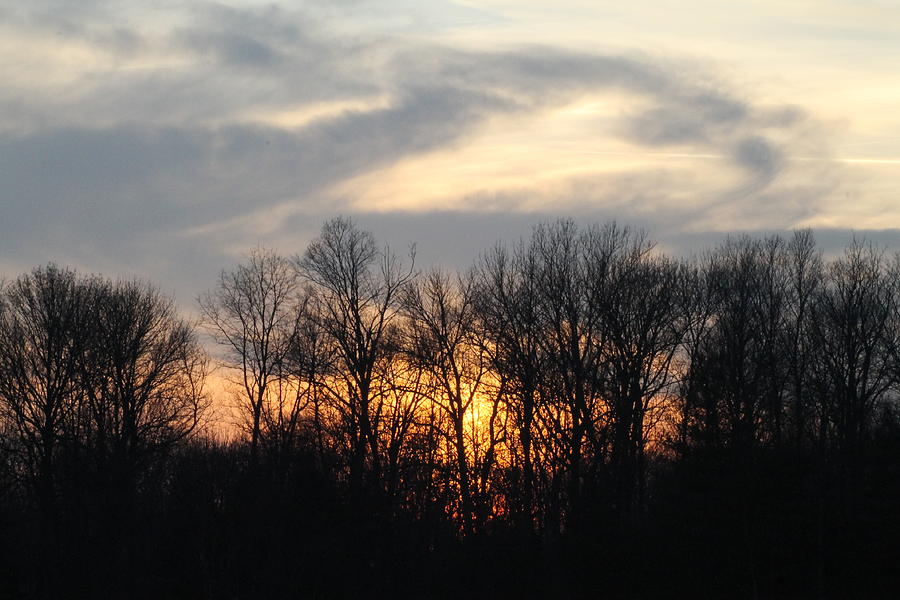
[(576, 415)]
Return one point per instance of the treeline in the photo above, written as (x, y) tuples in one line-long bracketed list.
[(577, 415)]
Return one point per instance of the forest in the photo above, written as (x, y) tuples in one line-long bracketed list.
[(576, 415)]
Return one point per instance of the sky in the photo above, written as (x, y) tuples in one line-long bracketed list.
[(164, 139)]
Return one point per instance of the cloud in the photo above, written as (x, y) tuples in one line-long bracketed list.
[(122, 183), (757, 155), (234, 48), (159, 146), (698, 117)]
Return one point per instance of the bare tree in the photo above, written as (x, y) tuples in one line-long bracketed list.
[(143, 377), (697, 420), (805, 276), (43, 329), (404, 408), (856, 338), (252, 314), (743, 364), (575, 271), (298, 384), (508, 304), (446, 342), (98, 380), (643, 327), (357, 293)]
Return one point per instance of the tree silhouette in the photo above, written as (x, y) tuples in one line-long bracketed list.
[(42, 325), (507, 301), (578, 414), (446, 344), (356, 290), (252, 315)]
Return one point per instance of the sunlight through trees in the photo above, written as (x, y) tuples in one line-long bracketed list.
[(576, 388)]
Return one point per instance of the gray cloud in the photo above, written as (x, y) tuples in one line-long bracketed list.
[(698, 117), (123, 183), (759, 156), (234, 48)]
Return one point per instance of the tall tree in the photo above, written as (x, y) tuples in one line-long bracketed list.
[(143, 377), (575, 269), (743, 363), (43, 329), (446, 342), (805, 276), (252, 314), (357, 290), (856, 336), (643, 327), (508, 304)]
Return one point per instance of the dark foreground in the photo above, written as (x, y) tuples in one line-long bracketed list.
[(768, 525)]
